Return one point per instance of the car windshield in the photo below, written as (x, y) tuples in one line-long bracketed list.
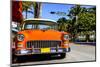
[(39, 26)]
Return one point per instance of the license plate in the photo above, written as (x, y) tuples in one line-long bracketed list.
[(45, 50)]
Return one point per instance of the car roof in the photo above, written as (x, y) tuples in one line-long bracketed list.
[(43, 21)]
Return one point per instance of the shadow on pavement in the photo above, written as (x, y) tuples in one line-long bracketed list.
[(36, 58)]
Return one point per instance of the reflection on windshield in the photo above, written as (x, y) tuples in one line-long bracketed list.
[(29, 26), (39, 26)]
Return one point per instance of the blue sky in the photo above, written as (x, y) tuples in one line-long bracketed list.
[(48, 7)]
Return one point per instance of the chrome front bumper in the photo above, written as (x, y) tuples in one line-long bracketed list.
[(38, 51)]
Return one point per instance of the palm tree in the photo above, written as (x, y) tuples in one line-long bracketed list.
[(26, 5), (37, 8), (62, 24), (73, 14), (75, 10), (36, 5)]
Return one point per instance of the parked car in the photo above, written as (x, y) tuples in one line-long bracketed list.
[(40, 36)]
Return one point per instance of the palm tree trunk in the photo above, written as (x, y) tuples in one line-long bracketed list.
[(37, 11), (26, 13)]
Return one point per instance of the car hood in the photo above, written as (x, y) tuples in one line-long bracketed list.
[(41, 34)]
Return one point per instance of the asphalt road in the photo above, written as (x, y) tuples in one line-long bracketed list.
[(78, 53)]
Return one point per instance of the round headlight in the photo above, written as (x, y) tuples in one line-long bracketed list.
[(20, 37), (66, 37)]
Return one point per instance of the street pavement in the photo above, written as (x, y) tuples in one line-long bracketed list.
[(79, 52)]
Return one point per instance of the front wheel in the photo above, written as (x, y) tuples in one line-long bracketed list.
[(62, 55), (15, 59)]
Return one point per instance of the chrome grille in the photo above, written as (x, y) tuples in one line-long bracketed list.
[(43, 44)]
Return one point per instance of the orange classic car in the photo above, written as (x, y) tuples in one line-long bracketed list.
[(40, 36)]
